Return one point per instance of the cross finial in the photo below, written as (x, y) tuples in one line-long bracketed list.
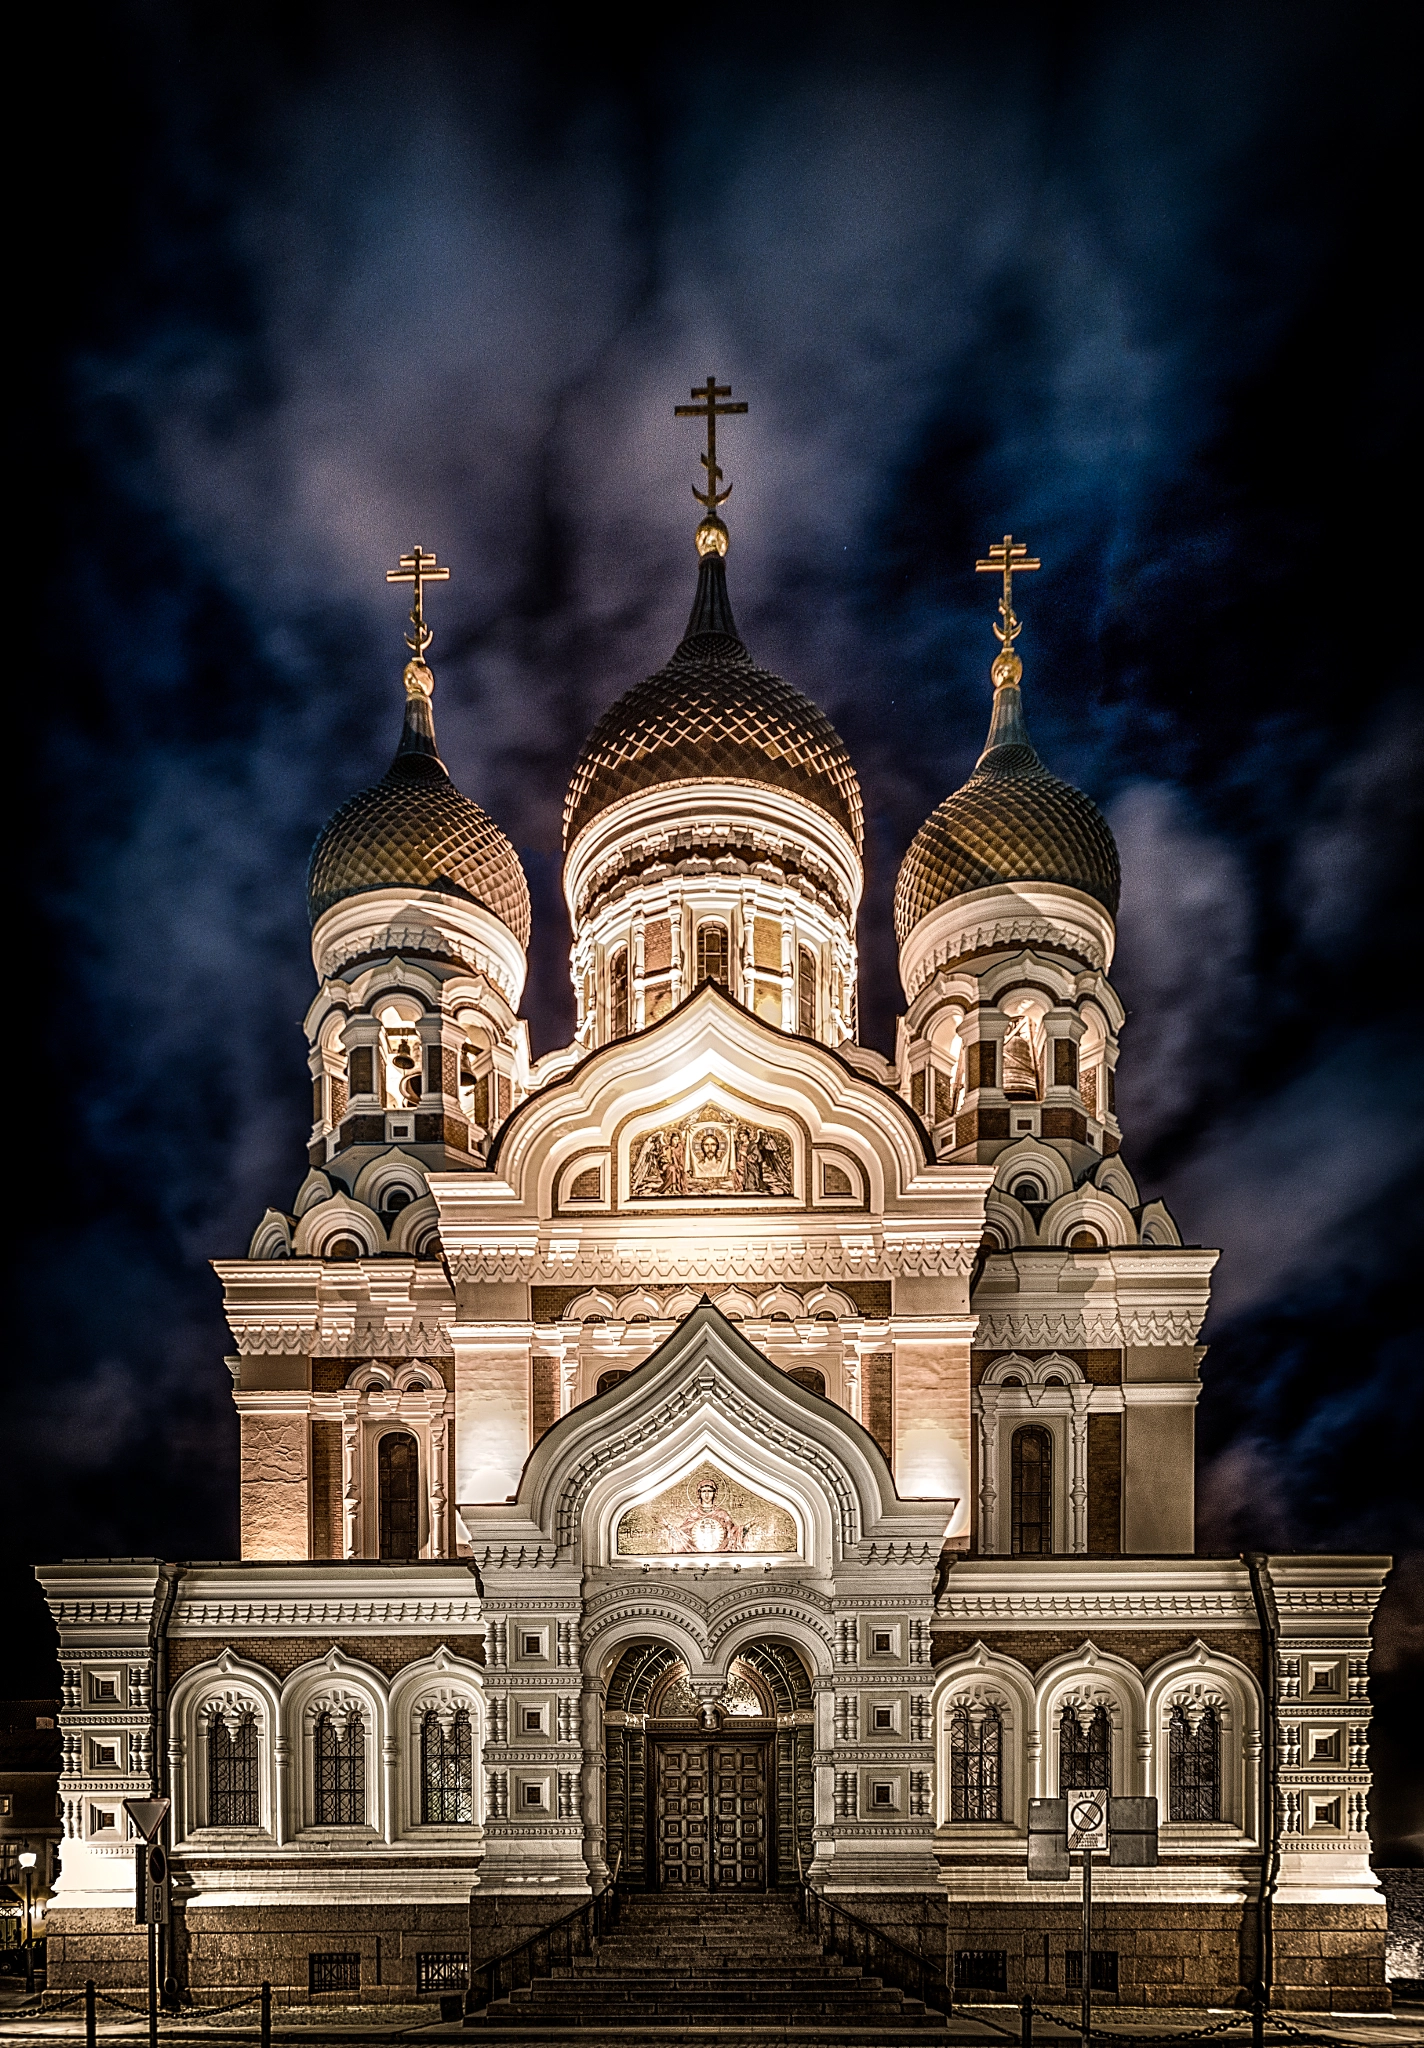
[(711, 534), (1007, 556), (418, 568)]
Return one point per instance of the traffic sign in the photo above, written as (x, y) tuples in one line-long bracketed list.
[(1088, 1824), (147, 1815)]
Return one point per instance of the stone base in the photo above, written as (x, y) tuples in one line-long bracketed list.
[(223, 1952), (1326, 1957)]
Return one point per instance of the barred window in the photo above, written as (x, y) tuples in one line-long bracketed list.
[(806, 993), (1195, 1761), (232, 1771), (1032, 1484), (976, 1751), (1085, 1753), (340, 1772), (447, 1769), (618, 994), (713, 953)]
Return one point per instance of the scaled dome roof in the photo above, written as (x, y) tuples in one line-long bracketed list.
[(1012, 821), (712, 715), (414, 829)]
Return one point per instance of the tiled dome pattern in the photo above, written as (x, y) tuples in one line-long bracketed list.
[(712, 715), (414, 829), (1011, 822)]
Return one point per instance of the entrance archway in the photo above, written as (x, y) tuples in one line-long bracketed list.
[(703, 1792)]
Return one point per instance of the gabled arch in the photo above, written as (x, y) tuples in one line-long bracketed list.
[(1086, 1208), (335, 1218), (1029, 1158), (272, 1239), (336, 1684), (1204, 1676), (707, 1388), (441, 1683), (1084, 1679), (983, 1677), (226, 1684)]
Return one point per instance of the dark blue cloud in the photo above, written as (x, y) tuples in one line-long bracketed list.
[(339, 284)]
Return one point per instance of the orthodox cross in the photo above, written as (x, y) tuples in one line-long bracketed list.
[(1007, 556), (419, 569), (708, 409)]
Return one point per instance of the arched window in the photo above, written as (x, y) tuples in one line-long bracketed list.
[(608, 1380), (340, 1771), (1032, 1482), (1195, 1792), (618, 993), (398, 1489), (976, 1754), (713, 953), (1084, 1752), (806, 992), (232, 1771), (809, 1377), (447, 1769)]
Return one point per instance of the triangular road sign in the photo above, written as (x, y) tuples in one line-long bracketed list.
[(147, 1815)]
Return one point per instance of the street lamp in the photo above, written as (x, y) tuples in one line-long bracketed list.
[(27, 1862)]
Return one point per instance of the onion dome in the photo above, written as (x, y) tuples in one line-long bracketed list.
[(1012, 821), (711, 715), (414, 830)]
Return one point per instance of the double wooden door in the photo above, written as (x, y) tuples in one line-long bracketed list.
[(710, 1815)]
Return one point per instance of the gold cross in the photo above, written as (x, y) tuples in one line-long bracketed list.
[(709, 409), (1008, 556), (418, 568)]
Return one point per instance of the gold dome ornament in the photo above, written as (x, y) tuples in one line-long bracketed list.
[(1012, 821), (413, 829), (711, 715)]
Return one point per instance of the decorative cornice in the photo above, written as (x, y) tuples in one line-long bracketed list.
[(1093, 1330), (419, 939), (1004, 932), (320, 1337), (970, 1608), (769, 1258), (101, 1613), (318, 1614)]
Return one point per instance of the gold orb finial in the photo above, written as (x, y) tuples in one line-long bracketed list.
[(711, 535), (418, 680)]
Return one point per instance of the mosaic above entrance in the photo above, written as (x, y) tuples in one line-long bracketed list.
[(706, 1515), (710, 1153)]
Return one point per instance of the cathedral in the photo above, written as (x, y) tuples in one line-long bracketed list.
[(712, 1458)]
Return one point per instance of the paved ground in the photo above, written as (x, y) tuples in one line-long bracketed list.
[(22, 2020)]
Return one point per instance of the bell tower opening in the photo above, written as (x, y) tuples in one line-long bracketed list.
[(398, 1491)]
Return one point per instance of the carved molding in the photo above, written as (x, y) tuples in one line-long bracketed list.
[(1110, 1331), (417, 938), (1000, 932), (978, 1607), (369, 1338), (769, 1258), (305, 1615)]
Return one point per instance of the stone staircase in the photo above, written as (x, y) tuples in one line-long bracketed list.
[(709, 1967)]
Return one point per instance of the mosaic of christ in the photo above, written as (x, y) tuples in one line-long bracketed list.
[(706, 1515)]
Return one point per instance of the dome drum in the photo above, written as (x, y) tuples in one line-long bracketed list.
[(1043, 915)]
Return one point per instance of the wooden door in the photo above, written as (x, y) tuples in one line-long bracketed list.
[(681, 1818), (739, 1818)]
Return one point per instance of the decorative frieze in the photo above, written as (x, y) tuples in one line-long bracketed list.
[(1090, 1330)]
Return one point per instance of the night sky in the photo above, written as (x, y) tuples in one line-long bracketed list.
[(321, 283)]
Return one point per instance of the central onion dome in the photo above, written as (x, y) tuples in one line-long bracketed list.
[(414, 830), (711, 715), (1012, 821)]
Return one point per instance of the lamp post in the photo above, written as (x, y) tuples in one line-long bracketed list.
[(28, 1860)]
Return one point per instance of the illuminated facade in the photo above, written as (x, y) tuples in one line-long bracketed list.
[(714, 1381)]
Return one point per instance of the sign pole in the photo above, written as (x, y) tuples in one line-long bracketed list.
[(1087, 1943)]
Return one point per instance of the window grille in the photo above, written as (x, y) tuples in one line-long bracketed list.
[(445, 1972), (980, 1969), (232, 1772), (713, 953), (618, 994), (1085, 1754), (805, 993), (1103, 1972), (447, 1770), (1195, 1762), (398, 1485), (340, 1772), (1032, 1480), (329, 1970), (976, 1746)]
